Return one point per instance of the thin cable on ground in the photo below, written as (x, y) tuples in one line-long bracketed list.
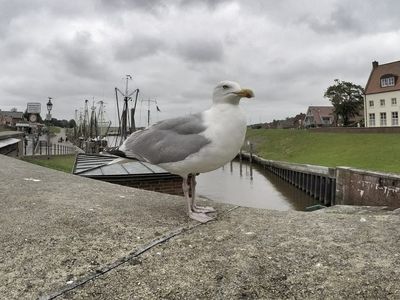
[(134, 254)]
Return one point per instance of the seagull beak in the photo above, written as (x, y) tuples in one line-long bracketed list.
[(245, 93)]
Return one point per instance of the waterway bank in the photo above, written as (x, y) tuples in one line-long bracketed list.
[(341, 185), (238, 183), (59, 230)]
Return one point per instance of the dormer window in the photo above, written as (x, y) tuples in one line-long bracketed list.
[(387, 80)]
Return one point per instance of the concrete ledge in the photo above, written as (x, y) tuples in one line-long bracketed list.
[(15, 148), (10, 134), (58, 228), (361, 187), (306, 168)]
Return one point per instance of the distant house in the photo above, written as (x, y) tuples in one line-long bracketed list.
[(10, 118), (382, 95), (319, 116)]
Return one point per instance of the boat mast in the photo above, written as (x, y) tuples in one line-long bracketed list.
[(123, 120)]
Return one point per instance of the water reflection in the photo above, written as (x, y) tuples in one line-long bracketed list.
[(232, 184)]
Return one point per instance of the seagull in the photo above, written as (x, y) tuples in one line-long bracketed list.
[(194, 144)]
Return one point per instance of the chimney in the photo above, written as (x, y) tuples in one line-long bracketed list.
[(374, 64)]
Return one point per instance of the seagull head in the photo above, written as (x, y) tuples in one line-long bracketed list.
[(230, 92)]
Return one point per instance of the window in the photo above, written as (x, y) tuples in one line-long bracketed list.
[(371, 120), (383, 119), (394, 101), (371, 103), (382, 102), (326, 120), (395, 118), (388, 81)]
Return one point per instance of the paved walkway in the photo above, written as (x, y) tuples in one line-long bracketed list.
[(68, 237), (54, 140)]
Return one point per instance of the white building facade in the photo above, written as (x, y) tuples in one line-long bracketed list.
[(382, 96)]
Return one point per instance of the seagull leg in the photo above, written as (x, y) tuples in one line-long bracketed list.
[(196, 208), (198, 216)]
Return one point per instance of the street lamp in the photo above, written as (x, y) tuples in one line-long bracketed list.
[(48, 118), (49, 107)]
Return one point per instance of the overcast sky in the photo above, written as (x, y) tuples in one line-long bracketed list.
[(287, 51)]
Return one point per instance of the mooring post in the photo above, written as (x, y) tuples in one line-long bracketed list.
[(251, 159)]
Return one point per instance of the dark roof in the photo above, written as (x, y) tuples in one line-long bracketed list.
[(96, 165), (378, 71), (12, 114)]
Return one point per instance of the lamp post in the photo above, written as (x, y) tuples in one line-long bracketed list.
[(49, 108), (48, 119)]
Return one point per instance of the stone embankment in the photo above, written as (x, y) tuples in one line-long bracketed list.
[(67, 237)]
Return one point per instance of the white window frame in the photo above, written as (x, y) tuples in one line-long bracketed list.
[(394, 101), (371, 103), (383, 121), (382, 102), (371, 119), (388, 81), (395, 120)]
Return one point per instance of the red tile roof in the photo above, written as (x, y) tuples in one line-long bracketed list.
[(374, 82)]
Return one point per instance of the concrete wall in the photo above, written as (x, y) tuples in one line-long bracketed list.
[(349, 186), (13, 150), (359, 187)]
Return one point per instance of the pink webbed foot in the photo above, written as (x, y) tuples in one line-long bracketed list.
[(203, 209), (200, 217)]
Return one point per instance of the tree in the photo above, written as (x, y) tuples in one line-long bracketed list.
[(347, 99), (71, 123)]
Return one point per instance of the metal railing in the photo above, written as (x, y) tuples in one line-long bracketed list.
[(43, 148)]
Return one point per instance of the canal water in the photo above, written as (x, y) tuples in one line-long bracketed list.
[(233, 184)]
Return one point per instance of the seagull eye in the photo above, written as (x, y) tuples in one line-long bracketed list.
[(225, 86)]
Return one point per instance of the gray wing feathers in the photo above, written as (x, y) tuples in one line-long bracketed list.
[(167, 141)]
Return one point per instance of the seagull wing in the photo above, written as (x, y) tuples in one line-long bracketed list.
[(170, 140)]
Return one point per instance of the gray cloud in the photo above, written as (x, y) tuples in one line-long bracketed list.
[(356, 17), (137, 47), (211, 4), (287, 51), (341, 19), (80, 55), (201, 50), (116, 6)]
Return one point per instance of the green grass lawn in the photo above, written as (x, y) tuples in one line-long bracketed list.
[(379, 152), (54, 129), (61, 162)]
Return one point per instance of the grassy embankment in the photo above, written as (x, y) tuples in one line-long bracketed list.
[(63, 163), (54, 129), (378, 152)]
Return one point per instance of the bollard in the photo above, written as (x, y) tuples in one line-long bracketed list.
[(251, 160)]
